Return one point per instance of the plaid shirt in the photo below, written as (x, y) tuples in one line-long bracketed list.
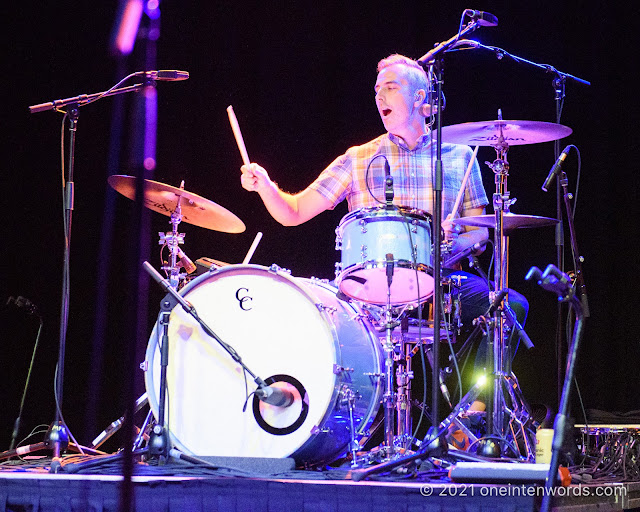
[(348, 176)]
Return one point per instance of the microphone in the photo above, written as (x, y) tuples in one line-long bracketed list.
[(388, 185), (389, 269), (165, 75), (186, 262), (556, 167), (275, 396), (484, 19), (465, 252), (23, 303)]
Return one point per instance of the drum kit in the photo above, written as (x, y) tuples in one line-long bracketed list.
[(335, 351)]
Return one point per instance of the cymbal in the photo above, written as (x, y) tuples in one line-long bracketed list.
[(514, 133), (195, 210), (510, 221)]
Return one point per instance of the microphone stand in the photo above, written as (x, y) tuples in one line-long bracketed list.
[(558, 282), (158, 440), (435, 58), (558, 83), (58, 438), (434, 442)]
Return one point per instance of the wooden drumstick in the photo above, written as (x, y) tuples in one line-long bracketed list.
[(456, 205), (252, 249), (238, 135)]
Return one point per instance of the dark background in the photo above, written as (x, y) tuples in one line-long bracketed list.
[(300, 76)]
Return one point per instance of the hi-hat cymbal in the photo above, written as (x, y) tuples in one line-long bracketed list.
[(510, 221), (513, 133), (195, 209)]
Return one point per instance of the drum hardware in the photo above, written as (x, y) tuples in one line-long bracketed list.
[(462, 407), (144, 431), (348, 398), (172, 241), (389, 396)]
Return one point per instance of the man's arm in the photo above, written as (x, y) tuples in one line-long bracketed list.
[(287, 209)]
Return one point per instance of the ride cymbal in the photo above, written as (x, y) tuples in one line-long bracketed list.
[(513, 133)]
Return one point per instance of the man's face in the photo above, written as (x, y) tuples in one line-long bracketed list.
[(395, 99)]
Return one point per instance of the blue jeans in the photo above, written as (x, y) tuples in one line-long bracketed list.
[(474, 299)]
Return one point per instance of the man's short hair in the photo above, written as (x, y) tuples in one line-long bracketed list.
[(416, 76)]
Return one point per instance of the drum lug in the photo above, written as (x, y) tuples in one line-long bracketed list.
[(144, 366), (363, 252), (276, 269), (414, 226), (315, 430), (329, 309), (363, 226), (338, 266), (337, 369)]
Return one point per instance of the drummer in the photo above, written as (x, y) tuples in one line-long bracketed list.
[(358, 176)]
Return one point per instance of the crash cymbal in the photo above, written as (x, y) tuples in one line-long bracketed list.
[(510, 221), (195, 210), (514, 133)]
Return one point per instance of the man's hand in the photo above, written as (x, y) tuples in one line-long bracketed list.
[(255, 178)]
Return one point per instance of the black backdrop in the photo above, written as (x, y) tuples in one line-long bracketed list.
[(300, 76)]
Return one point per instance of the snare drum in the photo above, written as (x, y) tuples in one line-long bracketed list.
[(366, 236), (289, 331)]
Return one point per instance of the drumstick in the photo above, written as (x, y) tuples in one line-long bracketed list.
[(238, 135), (252, 249), (456, 205)]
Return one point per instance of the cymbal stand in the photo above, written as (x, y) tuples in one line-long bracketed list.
[(172, 241), (499, 357)]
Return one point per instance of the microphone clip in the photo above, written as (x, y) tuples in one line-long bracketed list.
[(388, 186)]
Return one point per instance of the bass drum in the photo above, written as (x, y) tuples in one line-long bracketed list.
[(295, 334)]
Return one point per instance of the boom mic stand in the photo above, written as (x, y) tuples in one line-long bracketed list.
[(158, 440), (434, 442), (559, 87), (558, 282), (435, 58), (58, 437)]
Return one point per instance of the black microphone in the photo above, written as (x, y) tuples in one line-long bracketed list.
[(23, 303), (465, 252), (556, 168), (388, 185), (275, 396), (165, 75), (484, 19), (389, 269)]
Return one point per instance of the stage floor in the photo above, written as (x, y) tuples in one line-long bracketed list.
[(184, 487)]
